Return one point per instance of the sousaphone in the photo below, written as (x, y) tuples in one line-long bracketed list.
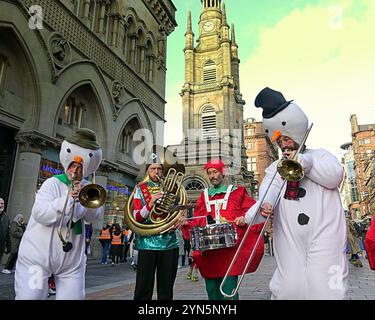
[(168, 209)]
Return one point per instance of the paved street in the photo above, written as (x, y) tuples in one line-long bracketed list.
[(105, 282)]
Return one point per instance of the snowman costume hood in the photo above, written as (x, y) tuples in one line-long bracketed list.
[(83, 148), (281, 117)]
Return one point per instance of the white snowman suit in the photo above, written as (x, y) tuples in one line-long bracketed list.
[(41, 253), (309, 233)]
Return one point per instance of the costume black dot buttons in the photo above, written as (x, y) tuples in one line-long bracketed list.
[(301, 192), (303, 219)]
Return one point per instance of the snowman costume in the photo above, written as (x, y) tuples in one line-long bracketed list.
[(310, 231), (41, 253)]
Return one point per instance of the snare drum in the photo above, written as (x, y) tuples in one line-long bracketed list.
[(213, 236)]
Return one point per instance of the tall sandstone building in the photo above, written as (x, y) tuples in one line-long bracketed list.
[(259, 150), (212, 102), (363, 141)]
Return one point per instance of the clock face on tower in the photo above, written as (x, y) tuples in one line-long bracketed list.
[(208, 26)]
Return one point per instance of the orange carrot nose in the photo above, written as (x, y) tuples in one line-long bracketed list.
[(276, 136), (78, 159)]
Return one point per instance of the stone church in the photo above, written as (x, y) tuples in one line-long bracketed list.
[(65, 64), (212, 102)]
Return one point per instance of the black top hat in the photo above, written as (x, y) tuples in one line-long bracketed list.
[(271, 101)]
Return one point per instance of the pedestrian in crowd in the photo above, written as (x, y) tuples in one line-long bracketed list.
[(17, 228), (370, 244), (4, 231), (224, 204), (309, 228), (181, 251), (129, 239), (157, 253), (54, 240), (105, 239), (266, 237), (125, 233), (353, 242), (116, 245), (88, 235), (51, 285), (187, 246)]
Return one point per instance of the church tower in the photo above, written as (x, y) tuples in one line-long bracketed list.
[(211, 99)]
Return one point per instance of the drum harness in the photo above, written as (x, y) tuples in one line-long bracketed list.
[(219, 203)]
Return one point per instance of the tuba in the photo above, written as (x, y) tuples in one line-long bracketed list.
[(167, 210)]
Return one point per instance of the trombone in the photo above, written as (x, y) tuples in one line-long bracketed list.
[(289, 170), (91, 196)]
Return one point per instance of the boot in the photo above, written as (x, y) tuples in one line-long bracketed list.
[(188, 275), (194, 275), (356, 263)]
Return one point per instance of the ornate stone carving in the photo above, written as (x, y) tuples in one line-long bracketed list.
[(60, 50), (118, 94), (34, 142)]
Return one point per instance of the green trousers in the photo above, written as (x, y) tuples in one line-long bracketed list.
[(213, 288)]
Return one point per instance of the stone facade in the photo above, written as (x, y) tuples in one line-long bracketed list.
[(99, 64), (363, 140), (212, 102), (260, 151), (348, 188)]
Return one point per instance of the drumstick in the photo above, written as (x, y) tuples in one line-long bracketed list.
[(222, 219), (198, 217)]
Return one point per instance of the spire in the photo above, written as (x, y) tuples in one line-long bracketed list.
[(233, 36), (189, 35), (224, 22), (189, 28)]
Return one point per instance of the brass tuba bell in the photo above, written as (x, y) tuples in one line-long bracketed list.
[(168, 209)]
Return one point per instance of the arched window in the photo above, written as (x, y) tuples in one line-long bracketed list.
[(140, 53), (127, 144), (208, 123), (91, 14), (131, 42), (149, 62), (192, 185), (209, 72)]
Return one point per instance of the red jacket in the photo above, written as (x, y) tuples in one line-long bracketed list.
[(370, 245), (215, 263)]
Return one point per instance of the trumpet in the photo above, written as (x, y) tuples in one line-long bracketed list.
[(289, 170), (91, 196)]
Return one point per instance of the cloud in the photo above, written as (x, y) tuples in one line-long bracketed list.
[(322, 57)]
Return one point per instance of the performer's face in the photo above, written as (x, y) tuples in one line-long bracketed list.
[(284, 143), (75, 171), (154, 170), (216, 178)]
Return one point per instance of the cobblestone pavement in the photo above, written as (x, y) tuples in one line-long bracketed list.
[(104, 282)]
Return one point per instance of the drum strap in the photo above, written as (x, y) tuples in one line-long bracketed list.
[(217, 203)]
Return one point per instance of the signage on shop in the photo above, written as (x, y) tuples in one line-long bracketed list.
[(52, 170), (118, 189)]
